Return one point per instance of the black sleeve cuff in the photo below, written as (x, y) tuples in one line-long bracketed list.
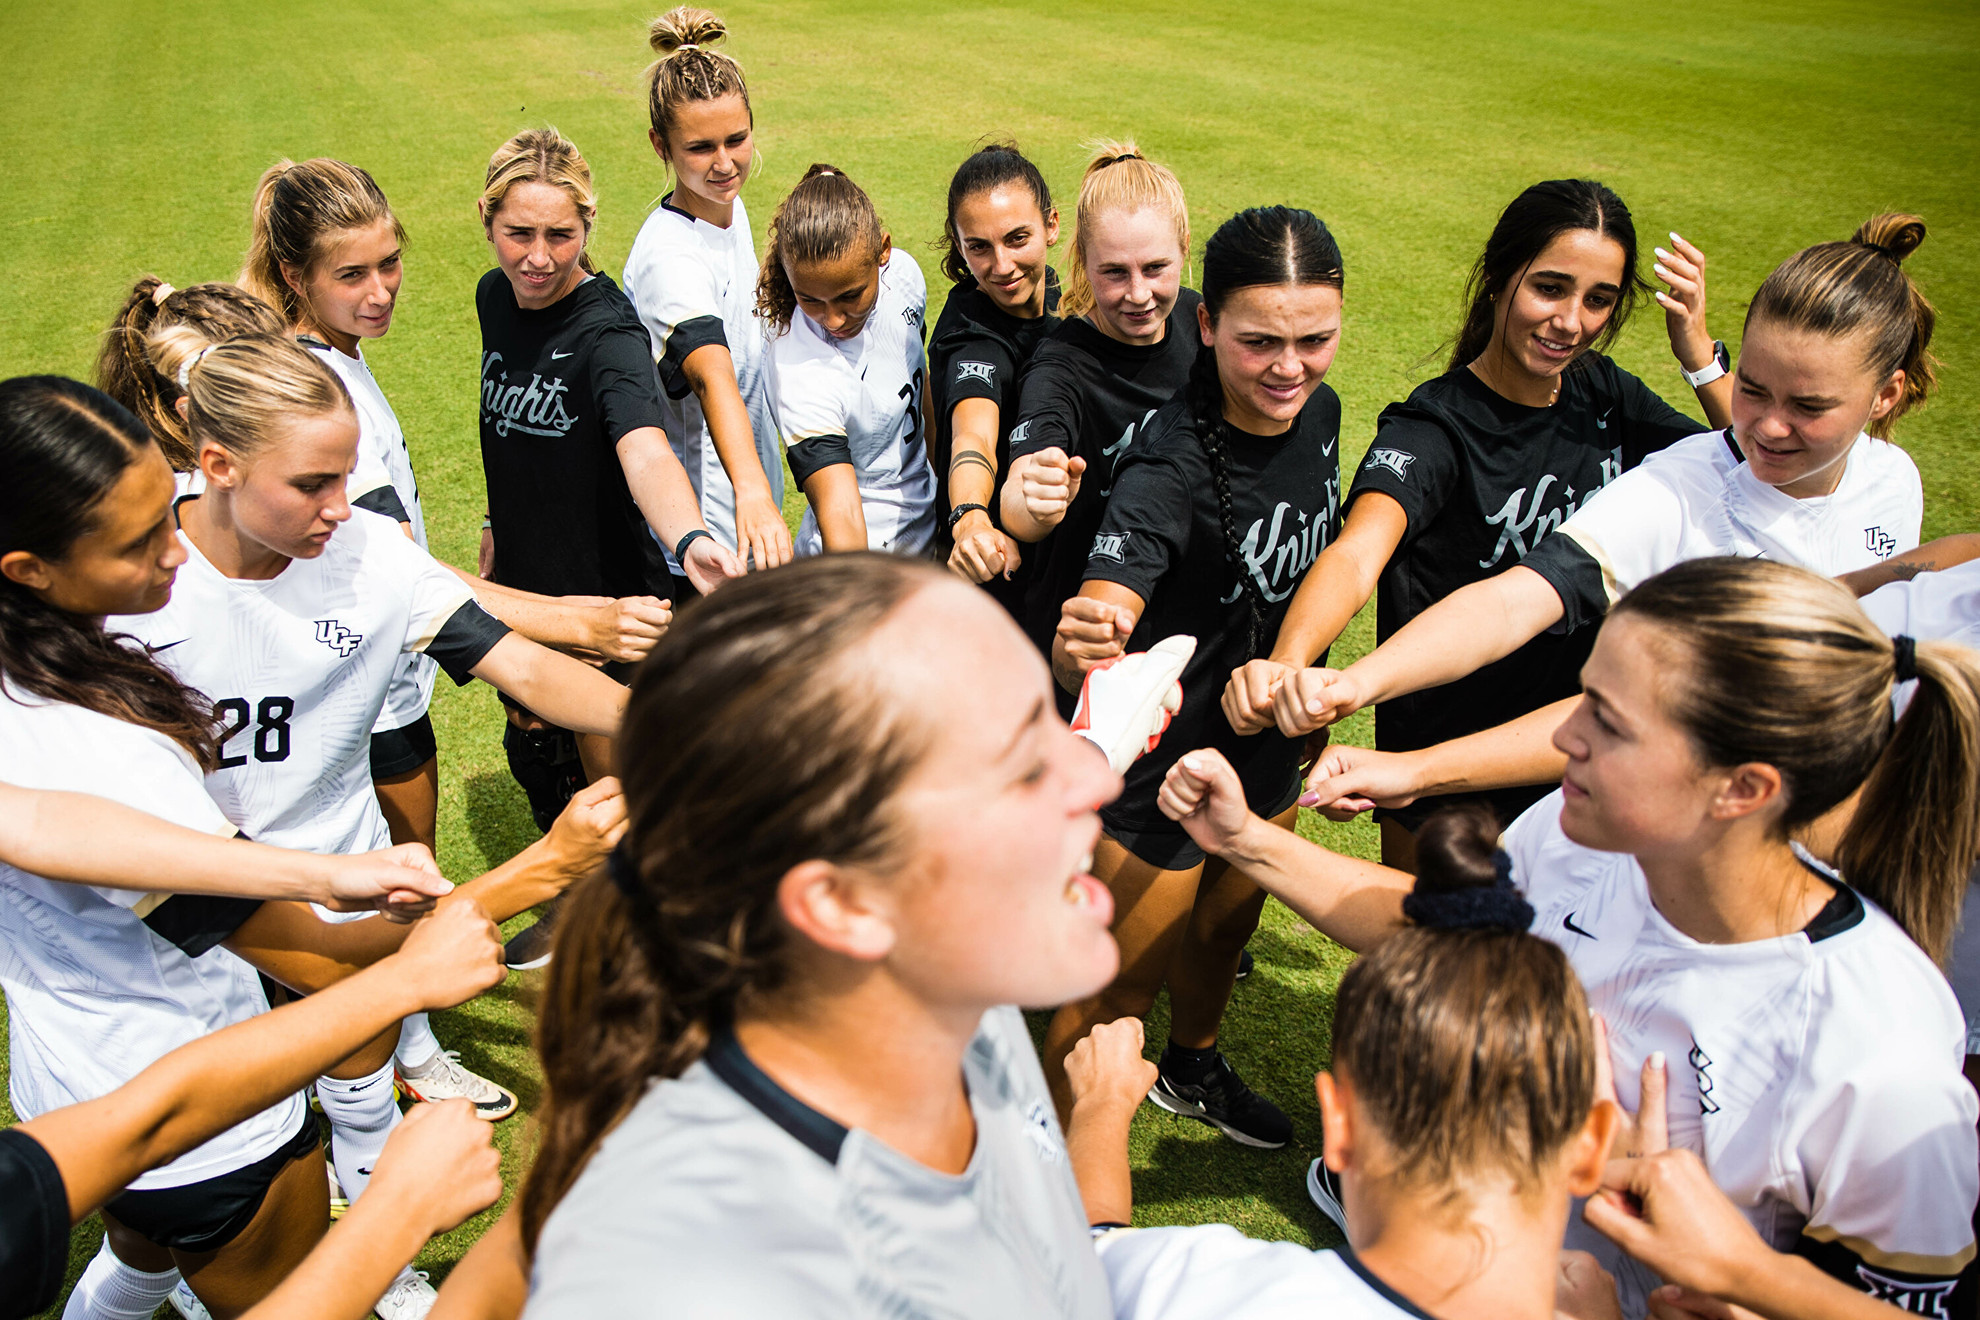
[(468, 634), (1911, 1293), (34, 1225), (689, 335), (1576, 577), (195, 923), (383, 500), (810, 457)]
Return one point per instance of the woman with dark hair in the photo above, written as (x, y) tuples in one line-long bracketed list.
[(1472, 470), (1216, 513), (996, 247)]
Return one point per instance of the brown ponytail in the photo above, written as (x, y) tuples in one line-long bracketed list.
[(1781, 666), (824, 218), (1861, 288), (123, 368), (756, 738), (1467, 1040)]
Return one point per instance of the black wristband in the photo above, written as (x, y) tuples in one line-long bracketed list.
[(956, 514), (680, 546)]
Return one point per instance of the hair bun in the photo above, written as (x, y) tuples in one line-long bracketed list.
[(1463, 877), (684, 26), (1895, 234)]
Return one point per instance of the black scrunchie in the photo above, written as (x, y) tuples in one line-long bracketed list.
[(625, 874), (1498, 906), (1905, 652)]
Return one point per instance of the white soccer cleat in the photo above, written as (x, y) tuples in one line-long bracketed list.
[(187, 1305), (1125, 703), (409, 1298)]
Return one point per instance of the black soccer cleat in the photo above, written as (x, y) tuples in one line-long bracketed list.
[(1244, 964), (1221, 1099), (530, 948)]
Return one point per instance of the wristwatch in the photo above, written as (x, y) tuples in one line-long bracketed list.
[(1720, 364), (956, 514)]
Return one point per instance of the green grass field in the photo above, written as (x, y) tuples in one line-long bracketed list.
[(132, 136)]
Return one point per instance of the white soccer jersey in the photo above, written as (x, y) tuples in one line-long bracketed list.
[(1943, 607), (94, 994), (297, 668), (723, 1195), (1817, 1074), (384, 462), (1214, 1271), (1698, 499), (865, 392), (694, 284)]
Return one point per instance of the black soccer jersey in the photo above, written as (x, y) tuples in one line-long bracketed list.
[(34, 1225), (1089, 395), (560, 387), (977, 351), (1483, 480), (1162, 538)]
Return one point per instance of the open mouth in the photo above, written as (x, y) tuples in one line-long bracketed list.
[(1085, 892), (1554, 349)]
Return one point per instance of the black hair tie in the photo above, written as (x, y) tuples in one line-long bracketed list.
[(625, 874), (1115, 160), (1905, 651), (1498, 906)]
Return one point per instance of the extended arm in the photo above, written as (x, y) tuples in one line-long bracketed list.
[(659, 486), (89, 840), (1109, 1080), (982, 552), (1933, 556), (1093, 626), (1339, 584), (1037, 492), (622, 629), (834, 494), (1347, 779), (760, 530), (1460, 634), (1356, 904), (202, 1089), (563, 691), (492, 1280)]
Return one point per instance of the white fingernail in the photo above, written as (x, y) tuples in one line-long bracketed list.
[(1660, 252), (1675, 238), (1656, 1060)]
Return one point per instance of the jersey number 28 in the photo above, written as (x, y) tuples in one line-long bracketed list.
[(271, 728)]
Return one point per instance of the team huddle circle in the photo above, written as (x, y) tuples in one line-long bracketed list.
[(870, 841)]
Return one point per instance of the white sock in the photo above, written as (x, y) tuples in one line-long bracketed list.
[(417, 1043), (111, 1290), (362, 1114)]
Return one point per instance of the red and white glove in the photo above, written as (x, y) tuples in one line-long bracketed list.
[(1125, 703)]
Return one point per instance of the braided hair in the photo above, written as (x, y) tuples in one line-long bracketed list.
[(1266, 245)]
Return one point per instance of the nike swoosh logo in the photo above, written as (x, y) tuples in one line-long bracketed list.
[(555, 355), (1569, 923), (365, 1172), (165, 646)]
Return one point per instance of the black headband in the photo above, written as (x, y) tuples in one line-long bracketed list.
[(1905, 651), (1498, 906)]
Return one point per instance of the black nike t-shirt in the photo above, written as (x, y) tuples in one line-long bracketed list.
[(1088, 395), (1161, 538), (1483, 480), (560, 387), (34, 1225), (977, 352)]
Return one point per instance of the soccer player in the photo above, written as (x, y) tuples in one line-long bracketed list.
[(585, 495), (996, 246), (1125, 348), (1811, 1044), (1835, 351), (1463, 478), (792, 985), (692, 277), (1462, 1117), (1217, 511), (848, 377), (101, 981)]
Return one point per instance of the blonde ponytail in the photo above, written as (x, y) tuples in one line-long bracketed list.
[(239, 392), (296, 208), (688, 68)]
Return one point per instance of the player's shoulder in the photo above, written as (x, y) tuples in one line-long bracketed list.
[(1213, 1270), (1869, 971), (902, 274), (1880, 470)]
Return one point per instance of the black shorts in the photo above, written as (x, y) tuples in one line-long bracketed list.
[(206, 1216), (1167, 844), (544, 762), (403, 750)]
